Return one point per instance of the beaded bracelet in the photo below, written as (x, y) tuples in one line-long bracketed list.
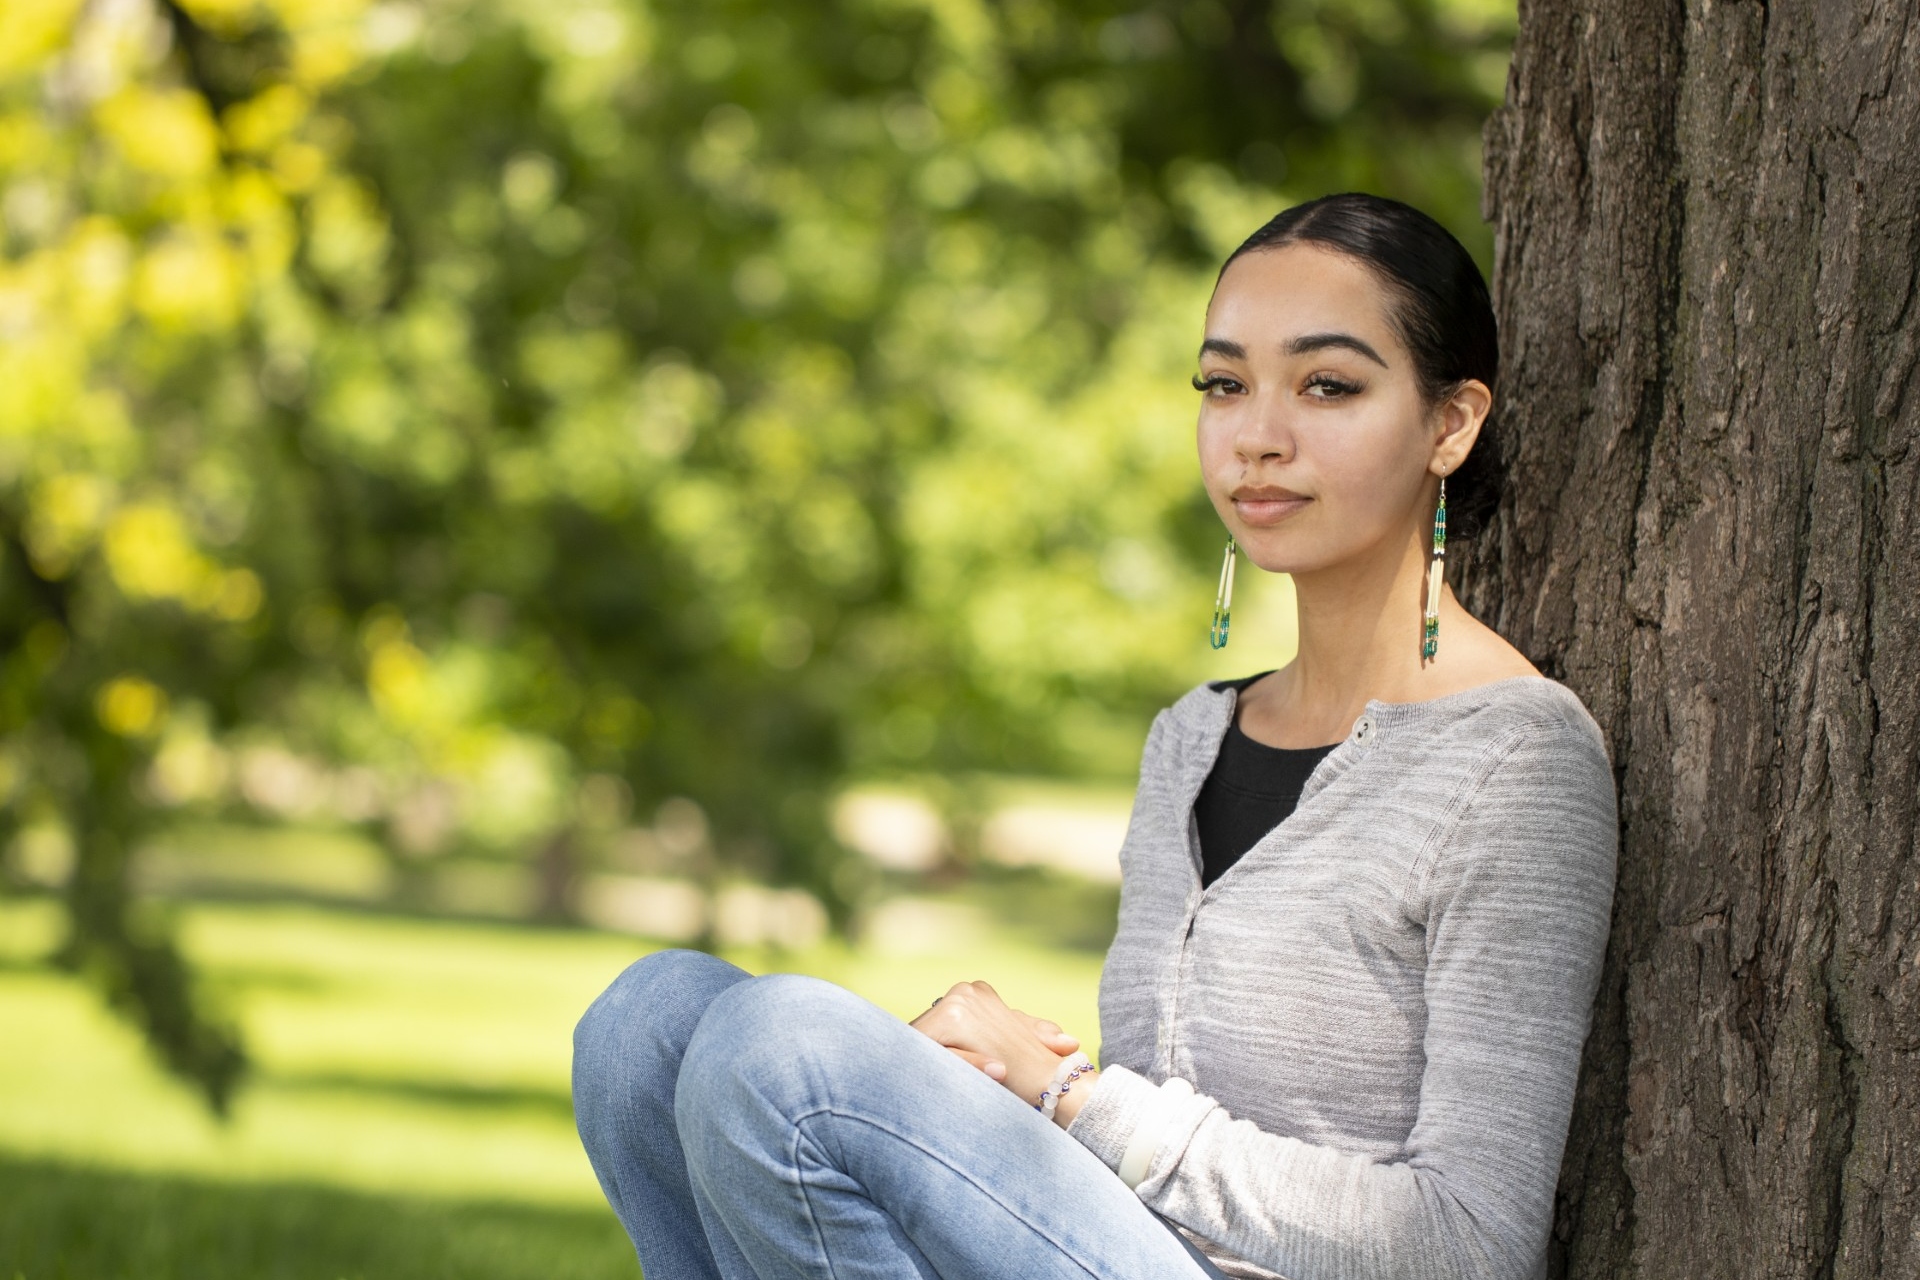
[(1071, 1068)]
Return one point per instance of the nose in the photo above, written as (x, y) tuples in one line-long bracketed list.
[(1265, 431)]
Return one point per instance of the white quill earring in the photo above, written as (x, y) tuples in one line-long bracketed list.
[(1436, 574), (1223, 600)]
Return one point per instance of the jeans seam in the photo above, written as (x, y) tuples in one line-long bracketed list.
[(938, 1159), (806, 1197)]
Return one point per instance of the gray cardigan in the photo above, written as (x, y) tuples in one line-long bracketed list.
[(1380, 1008)]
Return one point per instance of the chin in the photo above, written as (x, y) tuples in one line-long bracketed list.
[(1284, 555)]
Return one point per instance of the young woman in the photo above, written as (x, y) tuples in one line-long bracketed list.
[(1363, 907)]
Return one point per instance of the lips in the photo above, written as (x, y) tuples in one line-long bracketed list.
[(1263, 505)]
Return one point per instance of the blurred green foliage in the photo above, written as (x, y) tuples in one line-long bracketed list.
[(479, 421)]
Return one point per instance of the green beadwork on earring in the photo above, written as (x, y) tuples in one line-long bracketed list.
[(1223, 600)]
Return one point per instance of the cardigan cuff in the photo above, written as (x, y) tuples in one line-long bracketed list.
[(1124, 1118)]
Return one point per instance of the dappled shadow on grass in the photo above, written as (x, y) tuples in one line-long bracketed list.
[(449, 1093), (68, 1222)]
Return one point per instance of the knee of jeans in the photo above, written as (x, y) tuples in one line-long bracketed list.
[(782, 1037), (655, 1003)]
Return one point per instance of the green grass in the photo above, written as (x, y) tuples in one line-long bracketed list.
[(62, 1222), (408, 1114)]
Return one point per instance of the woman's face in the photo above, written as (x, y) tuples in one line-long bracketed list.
[(1315, 442)]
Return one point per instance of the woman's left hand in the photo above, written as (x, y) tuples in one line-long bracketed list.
[(1015, 1048)]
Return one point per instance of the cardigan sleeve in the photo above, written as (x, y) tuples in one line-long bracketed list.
[(1515, 894)]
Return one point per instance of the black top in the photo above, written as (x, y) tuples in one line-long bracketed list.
[(1250, 790)]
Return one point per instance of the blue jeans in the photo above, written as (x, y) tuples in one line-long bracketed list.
[(751, 1128)]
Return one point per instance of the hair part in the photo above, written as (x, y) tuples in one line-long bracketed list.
[(1441, 312)]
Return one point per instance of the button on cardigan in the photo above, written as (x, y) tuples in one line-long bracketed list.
[(1353, 1055)]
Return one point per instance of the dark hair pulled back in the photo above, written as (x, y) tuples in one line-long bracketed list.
[(1442, 313)]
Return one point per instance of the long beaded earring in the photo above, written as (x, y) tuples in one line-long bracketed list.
[(1223, 600), (1436, 572)]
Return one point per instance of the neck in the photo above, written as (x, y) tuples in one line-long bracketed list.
[(1359, 629)]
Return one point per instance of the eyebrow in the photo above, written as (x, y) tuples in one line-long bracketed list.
[(1305, 344)]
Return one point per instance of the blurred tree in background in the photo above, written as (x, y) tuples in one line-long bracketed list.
[(478, 421)]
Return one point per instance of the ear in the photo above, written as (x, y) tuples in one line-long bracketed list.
[(1458, 419)]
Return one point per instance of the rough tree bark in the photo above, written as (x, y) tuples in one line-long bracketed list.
[(1708, 219)]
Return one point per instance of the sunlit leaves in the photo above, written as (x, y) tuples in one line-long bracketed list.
[(67, 512), (131, 706), (150, 557), (260, 123), (867, 303), (99, 263), (168, 132), (30, 30), (190, 279), (347, 241)]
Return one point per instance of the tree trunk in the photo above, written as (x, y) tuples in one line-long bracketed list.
[(1705, 275)]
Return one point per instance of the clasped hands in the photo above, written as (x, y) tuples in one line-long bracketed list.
[(1015, 1048)]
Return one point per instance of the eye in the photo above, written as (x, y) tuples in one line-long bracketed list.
[(1216, 384), (1332, 388)]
